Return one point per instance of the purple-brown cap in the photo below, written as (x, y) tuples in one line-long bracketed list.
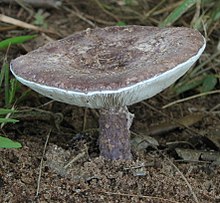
[(112, 66)]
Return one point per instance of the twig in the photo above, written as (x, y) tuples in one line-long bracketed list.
[(95, 19), (150, 12), (207, 60), (215, 107), (140, 196), (38, 3), (7, 28), (7, 116), (79, 15), (183, 177), (197, 12), (191, 97), (105, 11), (167, 8), (84, 119), (154, 109), (19, 23), (77, 157), (41, 164)]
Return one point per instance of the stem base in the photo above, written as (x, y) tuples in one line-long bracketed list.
[(114, 138)]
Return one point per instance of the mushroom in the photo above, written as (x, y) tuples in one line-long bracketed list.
[(109, 69)]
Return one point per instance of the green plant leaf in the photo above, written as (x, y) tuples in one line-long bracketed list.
[(189, 85), (15, 40), (7, 143), (40, 17), (128, 2), (120, 23), (209, 83), (177, 13)]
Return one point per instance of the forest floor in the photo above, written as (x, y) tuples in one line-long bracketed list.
[(176, 160)]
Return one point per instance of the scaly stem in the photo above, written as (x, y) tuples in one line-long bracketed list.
[(114, 138)]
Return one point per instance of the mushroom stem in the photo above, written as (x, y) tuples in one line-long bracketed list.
[(114, 138)]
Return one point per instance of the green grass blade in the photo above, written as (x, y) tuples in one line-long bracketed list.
[(13, 89), (215, 13), (6, 81), (7, 143), (8, 120), (6, 111), (177, 13), (2, 74), (15, 40)]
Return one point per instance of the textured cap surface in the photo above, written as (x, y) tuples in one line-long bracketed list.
[(106, 62)]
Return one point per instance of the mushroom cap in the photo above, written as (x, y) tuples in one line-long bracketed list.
[(110, 67)]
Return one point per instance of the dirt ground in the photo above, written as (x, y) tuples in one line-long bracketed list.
[(59, 159)]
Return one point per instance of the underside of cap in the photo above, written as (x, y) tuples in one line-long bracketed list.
[(113, 66)]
